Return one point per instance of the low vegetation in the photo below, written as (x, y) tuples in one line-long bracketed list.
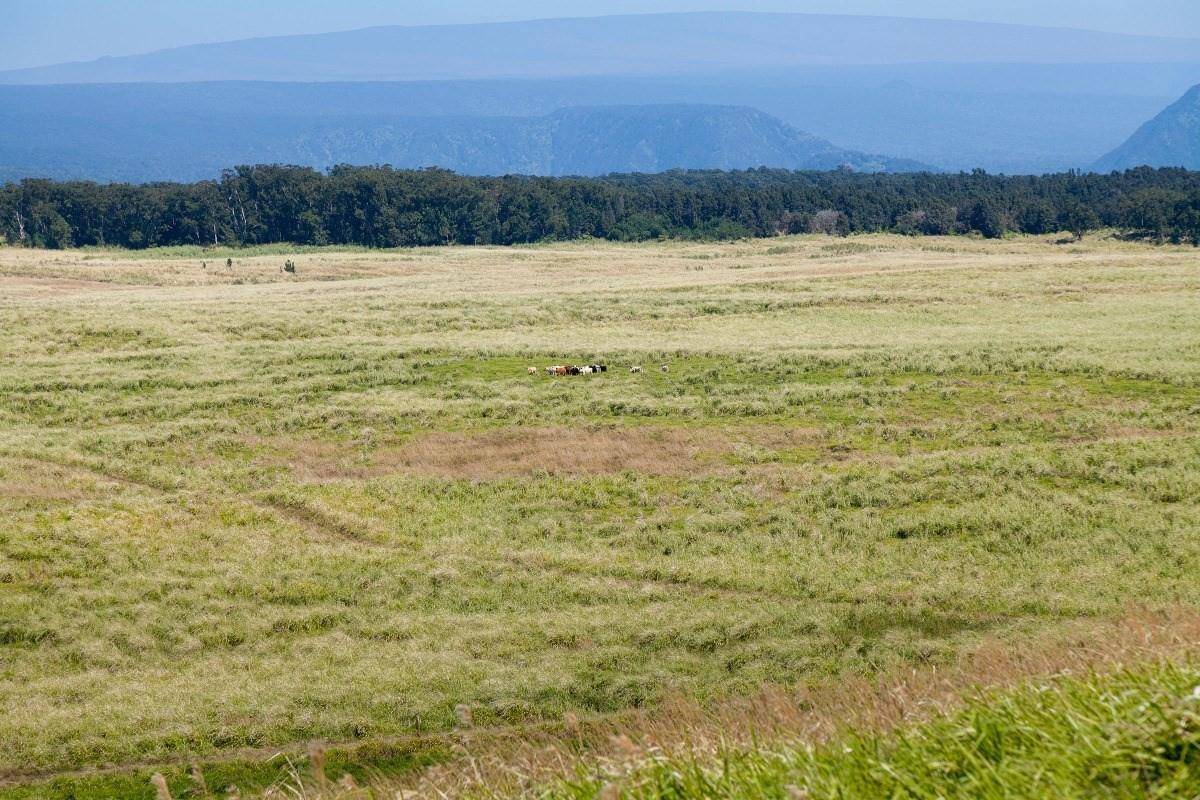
[(248, 508)]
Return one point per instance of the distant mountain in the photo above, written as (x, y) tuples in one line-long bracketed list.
[(595, 141), (154, 145), (650, 44), (1172, 139), (1004, 118)]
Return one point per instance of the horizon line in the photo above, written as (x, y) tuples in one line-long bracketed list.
[(576, 18)]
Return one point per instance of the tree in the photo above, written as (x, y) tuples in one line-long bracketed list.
[(51, 228), (1079, 219), (912, 223), (1186, 222), (829, 222), (940, 219), (985, 218), (1150, 212), (1037, 218)]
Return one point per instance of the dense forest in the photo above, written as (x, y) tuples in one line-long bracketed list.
[(385, 207)]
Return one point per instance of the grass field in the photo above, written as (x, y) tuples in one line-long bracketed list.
[(244, 509)]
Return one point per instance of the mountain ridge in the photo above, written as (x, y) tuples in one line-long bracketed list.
[(1170, 139), (644, 44), (592, 140), (1015, 119)]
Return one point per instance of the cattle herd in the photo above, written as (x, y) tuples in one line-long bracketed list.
[(571, 369), (587, 369)]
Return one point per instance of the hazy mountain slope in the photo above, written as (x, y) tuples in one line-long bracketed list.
[(1172, 139), (656, 138), (1017, 131), (648, 44), (1006, 118), (155, 145)]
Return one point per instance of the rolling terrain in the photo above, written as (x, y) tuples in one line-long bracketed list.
[(246, 509)]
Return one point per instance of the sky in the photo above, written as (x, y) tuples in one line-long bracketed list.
[(38, 32)]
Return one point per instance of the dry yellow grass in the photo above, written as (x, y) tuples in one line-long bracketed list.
[(573, 268), (1084, 305)]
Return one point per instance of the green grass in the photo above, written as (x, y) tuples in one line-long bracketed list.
[(1134, 734), (247, 516)]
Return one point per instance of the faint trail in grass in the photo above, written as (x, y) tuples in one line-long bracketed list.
[(314, 521)]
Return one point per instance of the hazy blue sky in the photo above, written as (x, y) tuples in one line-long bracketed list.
[(35, 32)]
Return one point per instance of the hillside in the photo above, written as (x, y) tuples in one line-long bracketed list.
[(649, 44), (1172, 139), (1003, 118), (152, 145)]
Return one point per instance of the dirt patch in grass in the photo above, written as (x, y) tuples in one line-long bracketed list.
[(560, 451), (483, 455)]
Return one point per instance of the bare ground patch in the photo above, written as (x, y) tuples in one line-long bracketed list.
[(517, 452), (483, 455), (559, 451)]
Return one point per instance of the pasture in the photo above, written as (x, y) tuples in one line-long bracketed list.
[(243, 509)]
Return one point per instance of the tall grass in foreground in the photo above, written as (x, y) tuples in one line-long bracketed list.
[(1132, 734), (1113, 713)]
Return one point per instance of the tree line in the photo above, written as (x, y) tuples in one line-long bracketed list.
[(386, 207)]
